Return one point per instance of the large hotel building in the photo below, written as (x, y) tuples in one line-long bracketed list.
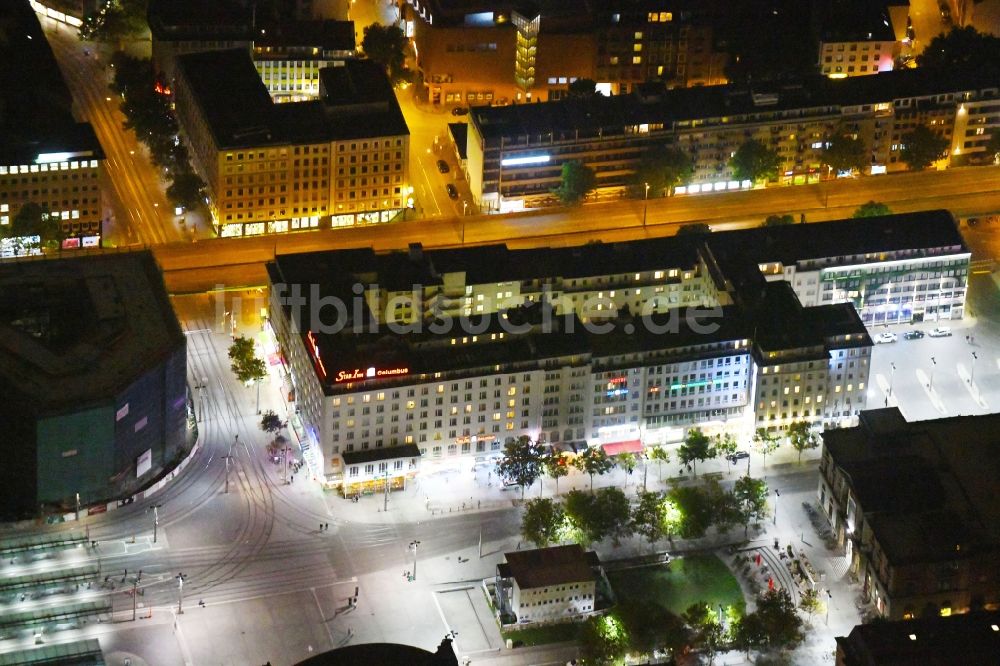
[(617, 345), (516, 153), (46, 157)]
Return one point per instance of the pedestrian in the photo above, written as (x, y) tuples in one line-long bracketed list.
[(326, 526), (321, 527)]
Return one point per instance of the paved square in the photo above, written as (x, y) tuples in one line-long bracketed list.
[(466, 612)]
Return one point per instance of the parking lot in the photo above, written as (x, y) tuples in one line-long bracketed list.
[(934, 377)]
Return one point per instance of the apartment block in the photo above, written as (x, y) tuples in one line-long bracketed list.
[(46, 157), (274, 168), (516, 153), (915, 511), (487, 53)]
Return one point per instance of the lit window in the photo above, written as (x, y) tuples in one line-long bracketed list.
[(636, 60)]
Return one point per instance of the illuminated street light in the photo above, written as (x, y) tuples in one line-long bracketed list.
[(645, 205)]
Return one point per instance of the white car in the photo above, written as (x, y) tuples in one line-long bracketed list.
[(886, 337), (940, 332)]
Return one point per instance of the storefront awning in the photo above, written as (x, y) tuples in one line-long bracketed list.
[(616, 448)]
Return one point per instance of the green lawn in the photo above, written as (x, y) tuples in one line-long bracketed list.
[(553, 633), (677, 585)]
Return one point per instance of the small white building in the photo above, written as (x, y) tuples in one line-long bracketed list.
[(371, 469), (548, 584)]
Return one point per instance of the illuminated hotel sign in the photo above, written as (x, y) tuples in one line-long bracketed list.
[(358, 375), (314, 348), (522, 161)]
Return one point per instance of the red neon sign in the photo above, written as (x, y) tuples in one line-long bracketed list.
[(311, 338)]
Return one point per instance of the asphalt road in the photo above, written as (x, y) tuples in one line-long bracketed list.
[(141, 212), (193, 267)]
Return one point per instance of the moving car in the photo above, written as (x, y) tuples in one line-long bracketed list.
[(739, 455), (885, 337), (940, 332), (913, 335), (443, 166), (459, 111), (452, 191)]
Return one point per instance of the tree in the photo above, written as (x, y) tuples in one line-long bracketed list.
[(556, 465), (541, 521), (802, 437), (872, 209), (961, 50), (749, 633), (246, 365), (778, 220), (922, 147), (578, 180), (751, 497), (782, 626), (650, 627), (704, 623), (844, 153), (271, 422), (754, 161), (603, 640), (660, 455), (582, 89), (187, 190), (593, 461), (693, 507), (32, 220), (599, 515), (115, 20), (521, 462), (811, 603), (662, 167), (694, 229), (626, 461), (696, 447), (387, 46), (724, 444), (649, 518), (765, 442)]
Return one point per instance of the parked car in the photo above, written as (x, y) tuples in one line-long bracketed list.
[(913, 335), (452, 191), (940, 332), (459, 111), (885, 337), (736, 457), (443, 166)]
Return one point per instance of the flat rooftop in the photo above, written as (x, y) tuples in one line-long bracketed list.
[(76, 331), (967, 638), (953, 461), (817, 95), (359, 90)]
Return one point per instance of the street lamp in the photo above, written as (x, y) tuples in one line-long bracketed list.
[(180, 592), (829, 598), (892, 376), (414, 545), (156, 520), (777, 494), (645, 205), (930, 384), (972, 375)]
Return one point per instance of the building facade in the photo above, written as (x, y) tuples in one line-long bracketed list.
[(275, 168), (491, 53), (94, 378), (554, 584), (380, 469), (914, 513), (515, 154), (46, 157)]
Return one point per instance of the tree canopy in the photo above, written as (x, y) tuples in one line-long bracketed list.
[(593, 461), (521, 462), (872, 209), (582, 89), (386, 45), (751, 498), (754, 161), (696, 447), (778, 220), (802, 437), (844, 153), (115, 20), (542, 521), (922, 147), (244, 361), (32, 220), (960, 50), (662, 168), (578, 180)]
